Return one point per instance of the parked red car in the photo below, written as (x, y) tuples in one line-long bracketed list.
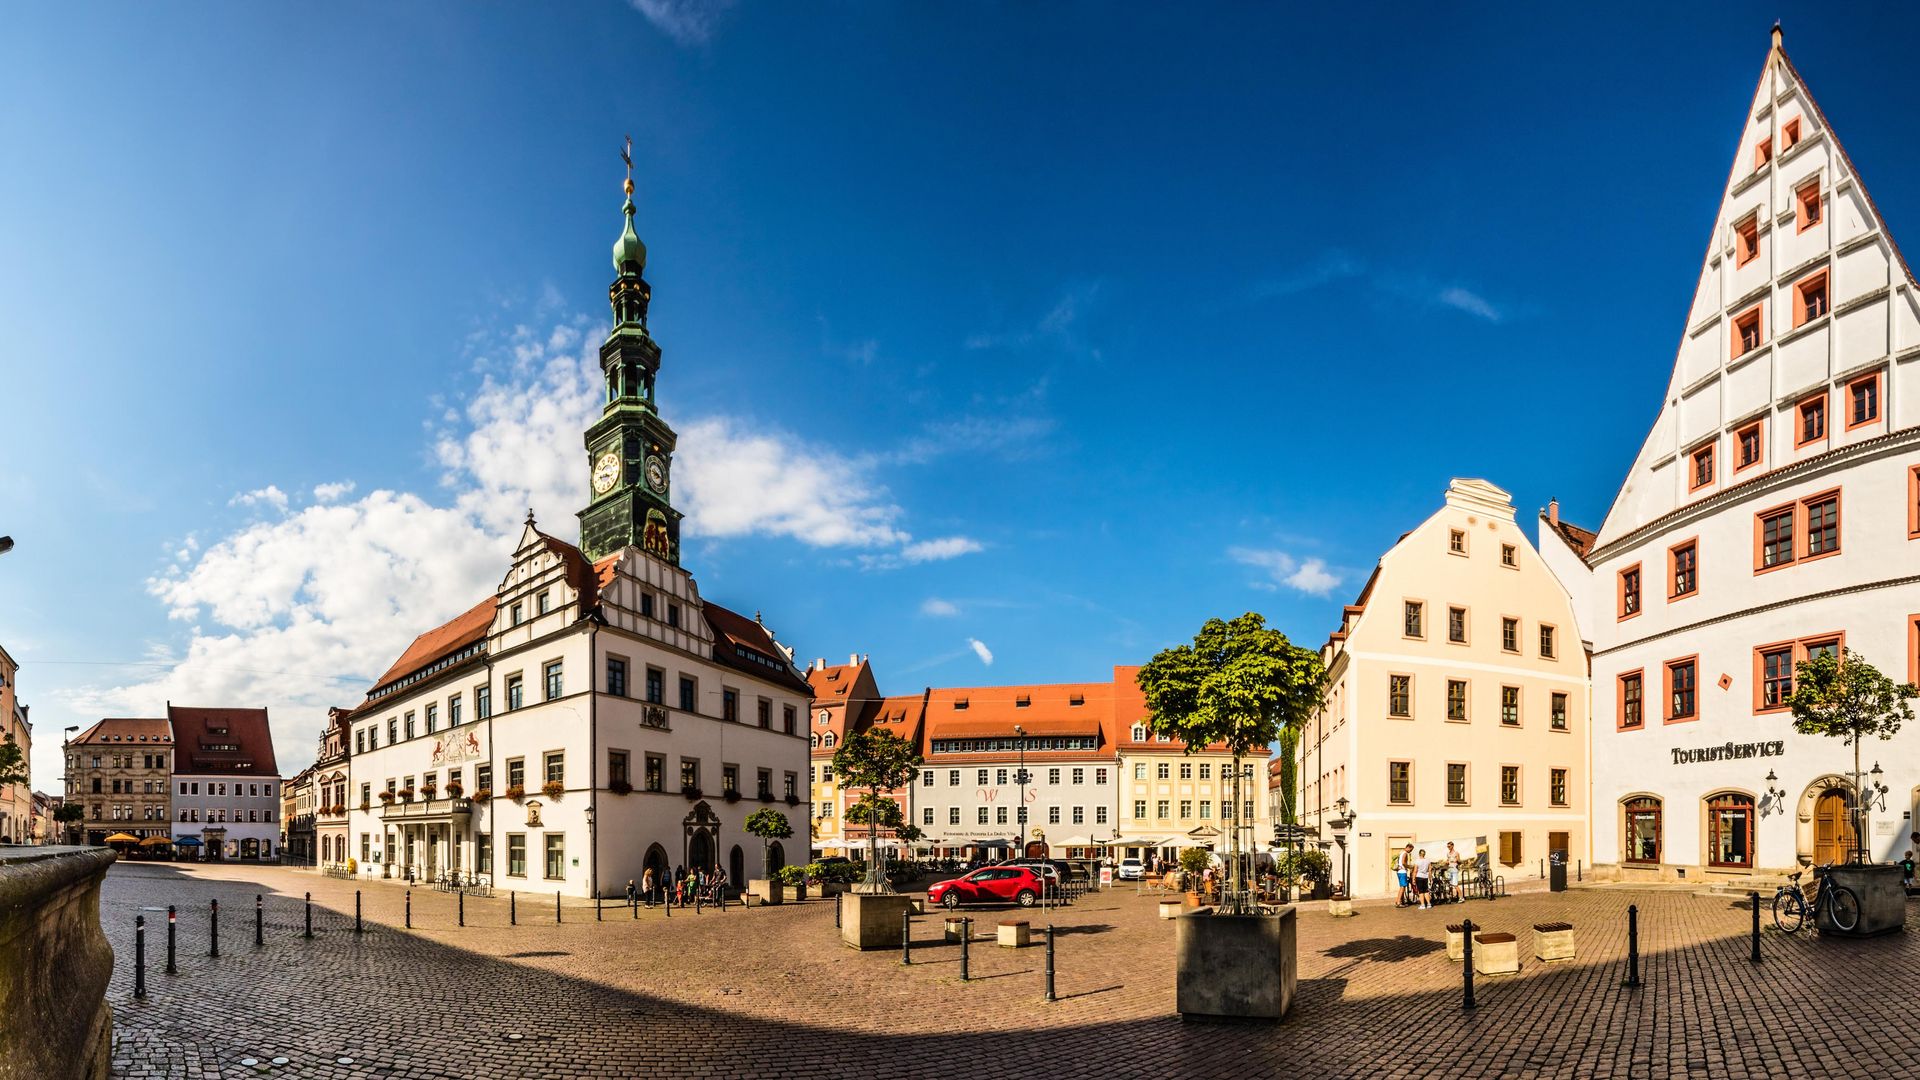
[(989, 885)]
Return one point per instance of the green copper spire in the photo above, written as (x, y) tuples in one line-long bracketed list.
[(629, 254)]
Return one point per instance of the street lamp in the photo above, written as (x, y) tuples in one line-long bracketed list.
[(1020, 810), (1340, 826), (6, 544)]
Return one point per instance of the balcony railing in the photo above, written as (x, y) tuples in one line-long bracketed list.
[(425, 809)]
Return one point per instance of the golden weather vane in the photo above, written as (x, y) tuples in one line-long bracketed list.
[(626, 155)]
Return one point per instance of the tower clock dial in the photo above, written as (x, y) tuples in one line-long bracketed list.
[(606, 470), (657, 474)]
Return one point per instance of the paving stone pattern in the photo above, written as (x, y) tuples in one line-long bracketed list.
[(770, 992)]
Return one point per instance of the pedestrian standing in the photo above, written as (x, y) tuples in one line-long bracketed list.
[(632, 893), (646, 885), (1422, 874)]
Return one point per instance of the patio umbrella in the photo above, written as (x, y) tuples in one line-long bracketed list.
[(187, 841), (122, 838), (156, 841)]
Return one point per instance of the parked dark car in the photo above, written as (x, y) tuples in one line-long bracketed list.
[(989, 885)]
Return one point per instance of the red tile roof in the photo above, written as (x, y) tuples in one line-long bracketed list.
[(222, 742), (992, 711), (443, 640), (733, 631), (1577, 538), (120, 731)]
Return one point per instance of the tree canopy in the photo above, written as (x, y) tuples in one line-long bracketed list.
[(878, 761), (13, 764), (1239, 683), (1843, 696), (768, 824)]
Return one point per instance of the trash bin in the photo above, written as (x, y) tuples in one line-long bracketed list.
[(1557, 873)]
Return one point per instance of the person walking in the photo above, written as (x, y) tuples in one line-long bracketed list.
[(646, 885), (632, 893), (1422, 875), (1451, 861)]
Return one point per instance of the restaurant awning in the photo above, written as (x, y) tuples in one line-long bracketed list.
[(156, 841), (122, 838), (187, 841), (1073, 841)]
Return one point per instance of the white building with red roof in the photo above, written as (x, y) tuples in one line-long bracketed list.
[(226, 784)]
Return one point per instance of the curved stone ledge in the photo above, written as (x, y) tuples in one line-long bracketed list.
[(54, 964)]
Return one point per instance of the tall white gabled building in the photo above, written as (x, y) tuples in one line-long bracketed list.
[(1772, 513)]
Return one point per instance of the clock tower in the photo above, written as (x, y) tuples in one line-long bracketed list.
[(630, 449)]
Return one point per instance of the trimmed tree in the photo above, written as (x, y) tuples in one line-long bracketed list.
[(769, 825), (877, 761), (13, 764), (1844, 697), (1239, 685), (70, 815)]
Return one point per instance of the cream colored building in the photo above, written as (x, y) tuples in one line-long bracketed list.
[(1456, 707), (16, 800)]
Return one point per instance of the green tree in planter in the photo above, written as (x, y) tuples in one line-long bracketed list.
[(1193, 863), (70, 815), (1240, 685), (878, 761), (876, 812), (769, 825), (1844, 697)]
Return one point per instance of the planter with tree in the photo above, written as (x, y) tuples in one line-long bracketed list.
[(878, 761), (1193, 866), (1842, 696), (1238, 686), (793, 882), (769, 825)]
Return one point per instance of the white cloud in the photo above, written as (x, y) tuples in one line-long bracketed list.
[(938, 608), (980, 650), (301, 610), (1307, 576), (1470, 302), (266, 496), (689, 22)]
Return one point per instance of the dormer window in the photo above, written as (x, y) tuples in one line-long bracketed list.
[(1789, 134), (1806, 203), (1746, 241), (959, 703), (1746, 331), (1139, 733), (1022, 701)]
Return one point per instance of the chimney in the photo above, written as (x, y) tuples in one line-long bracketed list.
[(853, 659), (1553, 512)]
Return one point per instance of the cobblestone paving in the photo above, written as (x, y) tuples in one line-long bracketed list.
[(771, 993)]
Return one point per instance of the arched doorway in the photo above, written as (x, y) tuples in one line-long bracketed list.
[(699, 852), (656, 861), (776, 858), (1642, 834), (1833, 836), (701, 830), (736, 867)]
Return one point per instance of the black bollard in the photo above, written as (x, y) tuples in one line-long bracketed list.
[(513, 908), (1466, 964), (966, 937), (666, 903), (213, 930), (1050, 996), (836, 910), (906, 936), (1756, 927), (698, 898), (556, 907), (259, 921), (596, 908), (1579, 870), (636, 910), (356, 911), (463, 908), (1633, 947), (172, 924), (309, 930), (140, 956), (409, 909)]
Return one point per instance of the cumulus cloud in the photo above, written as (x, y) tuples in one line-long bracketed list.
[(301, 609), (980, 650), (689, 22), (266, 496), (1307, 576), (938, 608)]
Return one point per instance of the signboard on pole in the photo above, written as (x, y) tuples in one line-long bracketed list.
[(1106, 877)]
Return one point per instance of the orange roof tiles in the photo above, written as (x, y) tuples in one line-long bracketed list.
[(222, 742), (443, 640), (119, 731)]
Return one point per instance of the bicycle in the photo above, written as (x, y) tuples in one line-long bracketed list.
[(1791, 908)]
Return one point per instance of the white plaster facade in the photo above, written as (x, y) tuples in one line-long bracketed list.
[(1688, 770)]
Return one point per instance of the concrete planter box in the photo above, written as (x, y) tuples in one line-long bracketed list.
[(919, 905), (1553, 941), (1496, 954), (1456, 942), (768, 891), (955, 929), (795, 893), (1014, 934), (828, 888), (1883, 900), (1340, 909), (872, 920), (1236, 966), (1171, 909)]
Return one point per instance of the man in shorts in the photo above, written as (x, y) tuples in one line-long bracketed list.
[(1422, 874), (1403, 868)]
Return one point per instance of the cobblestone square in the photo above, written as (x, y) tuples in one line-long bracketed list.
[(770, 992)]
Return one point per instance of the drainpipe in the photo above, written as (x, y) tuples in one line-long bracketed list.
[(593, 759)]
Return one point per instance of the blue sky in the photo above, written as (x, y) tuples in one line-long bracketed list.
[(1051, 328)]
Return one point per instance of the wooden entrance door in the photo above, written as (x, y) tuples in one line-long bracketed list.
[(1833, 838)]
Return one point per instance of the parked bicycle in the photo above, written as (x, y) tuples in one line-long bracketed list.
[(1792, 908)]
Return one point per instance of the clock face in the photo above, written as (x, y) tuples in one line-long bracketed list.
[(606, 470), (657, 474)]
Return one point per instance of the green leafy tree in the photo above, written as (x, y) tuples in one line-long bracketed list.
[(1842, 696), (13, 764), (1239, 685), (877, 761), (769, 825), (70, 815)]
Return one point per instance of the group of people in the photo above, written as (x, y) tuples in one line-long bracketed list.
[(1417, 874), (679, 887)]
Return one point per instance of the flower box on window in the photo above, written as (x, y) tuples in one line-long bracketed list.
[(405, 794), (553, 789), (516, 793), (733, 795), (793, 800), (386, 796), (483, 793), (454, 789), (766, 796), (690, 791), (620, 787)]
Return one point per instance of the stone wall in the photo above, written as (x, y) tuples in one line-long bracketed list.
[(54, 964)]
